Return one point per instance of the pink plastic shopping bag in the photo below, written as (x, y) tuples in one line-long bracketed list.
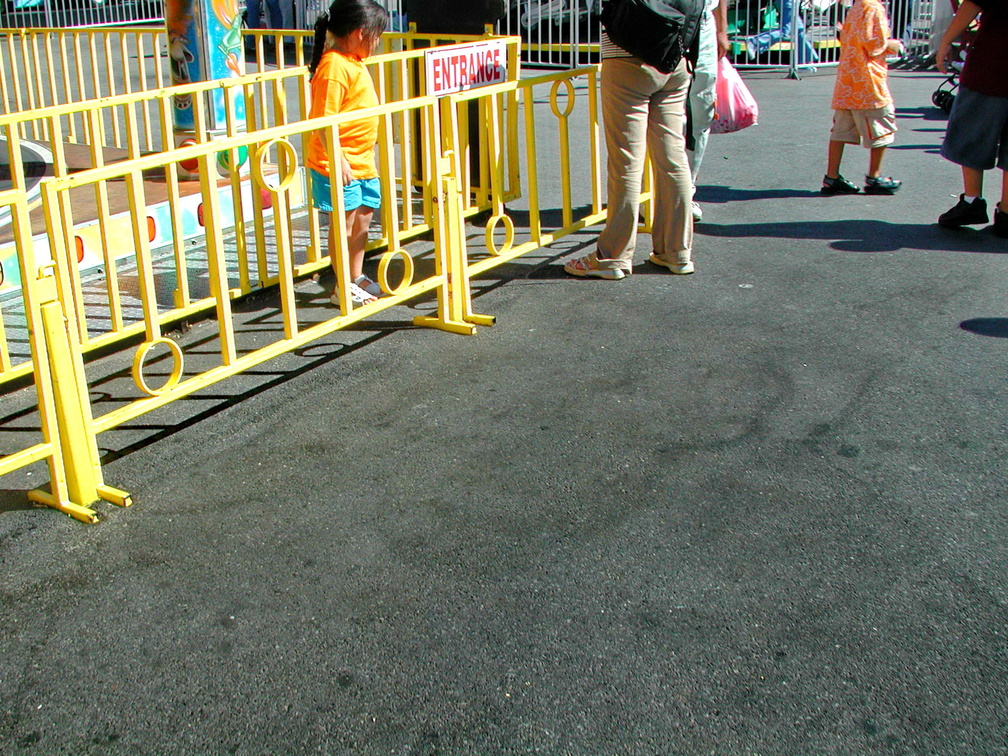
[(734, 107)]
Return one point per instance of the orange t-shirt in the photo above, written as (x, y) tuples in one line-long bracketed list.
[(342, 82), (862, 72)]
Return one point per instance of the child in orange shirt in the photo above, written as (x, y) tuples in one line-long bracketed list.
[(863, 111), (344, 38)]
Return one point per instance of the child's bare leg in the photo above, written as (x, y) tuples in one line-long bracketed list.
[(834, 157), (332, 245), (1004, 192), (358, 222), (875, 155)]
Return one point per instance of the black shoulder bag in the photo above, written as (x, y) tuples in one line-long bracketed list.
[(659, 32)]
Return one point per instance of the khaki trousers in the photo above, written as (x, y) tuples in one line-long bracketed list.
[(644, 111)]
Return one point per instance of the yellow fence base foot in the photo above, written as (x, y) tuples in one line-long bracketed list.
[(84, 514), (481, 320), (115, 496), (466, 329)]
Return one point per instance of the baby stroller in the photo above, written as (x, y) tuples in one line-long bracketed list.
[(944, 96)]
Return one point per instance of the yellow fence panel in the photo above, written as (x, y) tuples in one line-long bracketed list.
[(440, 165), (67, 443), (171, 202), (510, 165), (280, 182), (58, 66), (44, 67)]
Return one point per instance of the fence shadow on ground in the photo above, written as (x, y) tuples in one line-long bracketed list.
[(16, 501)]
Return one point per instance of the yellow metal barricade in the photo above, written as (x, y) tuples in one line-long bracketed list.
[(68, 441), (300, 321), (44, 67), (510, 133), (103, 214), (258, 229)]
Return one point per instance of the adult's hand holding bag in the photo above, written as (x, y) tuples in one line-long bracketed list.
[(735, 108)]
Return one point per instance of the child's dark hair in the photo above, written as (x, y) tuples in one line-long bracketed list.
[(343, 17)]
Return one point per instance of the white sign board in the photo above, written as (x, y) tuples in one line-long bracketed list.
[(456, 68)]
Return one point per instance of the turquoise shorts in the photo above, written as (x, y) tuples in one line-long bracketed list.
[(358, 192)]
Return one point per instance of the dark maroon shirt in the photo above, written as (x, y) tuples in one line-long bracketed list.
[(986, 69)]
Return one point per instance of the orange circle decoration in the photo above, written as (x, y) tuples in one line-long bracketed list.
[(79, 244), (189, 164), (141, 355), (151, 229), (199, 214)]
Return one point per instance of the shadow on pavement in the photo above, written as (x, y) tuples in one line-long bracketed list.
[(15, 501), (861, 235), (996, 327), (725, 194), (926, 113)]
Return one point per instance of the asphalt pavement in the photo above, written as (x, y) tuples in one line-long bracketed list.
[(761, 509)]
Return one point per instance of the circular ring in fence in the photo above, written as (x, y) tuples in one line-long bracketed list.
[(141, 355), (570, 98), (491, 227), (407, 275), (259, 165)]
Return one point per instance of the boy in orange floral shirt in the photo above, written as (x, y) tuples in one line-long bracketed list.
[(863, 111)]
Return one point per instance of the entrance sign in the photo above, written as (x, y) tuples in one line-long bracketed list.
[(456, 68)]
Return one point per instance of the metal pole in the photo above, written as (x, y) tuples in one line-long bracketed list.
[(795, 51)]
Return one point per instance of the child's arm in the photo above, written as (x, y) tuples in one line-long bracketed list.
[(960, 22), (331, 93), (345, 172), (894, 47)]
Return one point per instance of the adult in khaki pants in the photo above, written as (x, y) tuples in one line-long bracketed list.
[(643, 112)]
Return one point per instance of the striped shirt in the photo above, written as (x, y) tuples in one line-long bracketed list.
[(610, 49)]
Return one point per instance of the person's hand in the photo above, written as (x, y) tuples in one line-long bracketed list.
[(347, 172), (723, 45), (942, 56)]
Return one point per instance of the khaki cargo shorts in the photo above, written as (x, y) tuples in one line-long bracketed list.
[(872, 128)]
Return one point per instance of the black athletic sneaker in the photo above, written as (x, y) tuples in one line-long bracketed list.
[(1000, 227), (838, 185), (878, 185), (965, 213)]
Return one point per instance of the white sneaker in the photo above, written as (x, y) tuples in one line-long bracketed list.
[(697, 211), (358, 296), (679, 268)]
